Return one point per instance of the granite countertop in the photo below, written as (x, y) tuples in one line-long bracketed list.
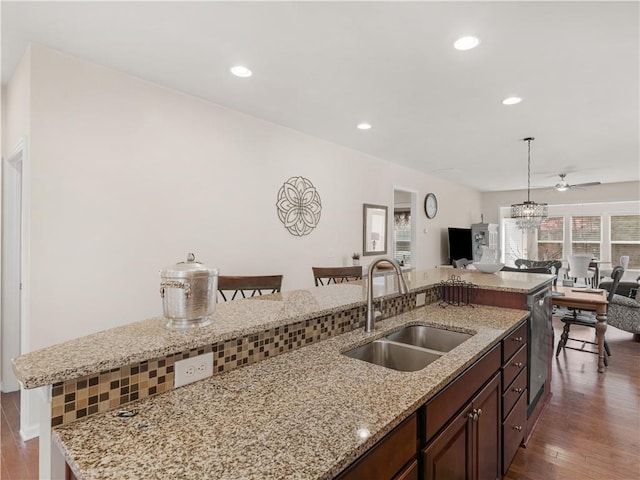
[(149, 338), (300, 415)]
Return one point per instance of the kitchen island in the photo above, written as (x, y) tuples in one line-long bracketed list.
[(313, 325), (307, 414)]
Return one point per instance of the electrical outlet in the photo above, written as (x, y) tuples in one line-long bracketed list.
[(421, 299), (193, 369)]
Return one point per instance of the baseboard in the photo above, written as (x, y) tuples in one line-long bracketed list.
[(29, 432)]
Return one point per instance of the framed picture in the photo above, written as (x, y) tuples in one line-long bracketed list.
[(374, 229)]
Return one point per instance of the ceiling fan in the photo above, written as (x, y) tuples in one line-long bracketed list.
[(563, 185)]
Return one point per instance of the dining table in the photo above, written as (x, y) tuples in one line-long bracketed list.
[(589, 299)]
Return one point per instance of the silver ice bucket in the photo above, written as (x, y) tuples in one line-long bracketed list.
[(188, 290)]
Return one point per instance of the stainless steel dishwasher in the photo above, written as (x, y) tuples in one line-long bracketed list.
[(540, 331)]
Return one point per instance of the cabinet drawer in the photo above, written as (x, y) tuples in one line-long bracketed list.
[(512, 392), (514, 366), (512, 343), (387, 457), (444, 406), (513, 432)]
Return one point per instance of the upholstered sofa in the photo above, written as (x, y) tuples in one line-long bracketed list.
[(623, 311)]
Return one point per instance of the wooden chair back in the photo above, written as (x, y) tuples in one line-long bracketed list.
[(616, 276), (546, 270), (527, 270), (327, 275), (252, 285), (523, 262)]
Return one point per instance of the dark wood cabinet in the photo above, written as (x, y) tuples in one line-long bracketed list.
[(513, 431), (447, 456), (409, 473), (387, 459), (486, 431), (469, 446), (514, 393), (470, 430)]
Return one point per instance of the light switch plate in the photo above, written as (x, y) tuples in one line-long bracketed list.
[(193, 369), (421, 299)]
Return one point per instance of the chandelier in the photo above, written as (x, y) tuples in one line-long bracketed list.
[(529, 215)]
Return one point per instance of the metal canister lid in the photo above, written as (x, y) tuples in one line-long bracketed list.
[(188, 269)]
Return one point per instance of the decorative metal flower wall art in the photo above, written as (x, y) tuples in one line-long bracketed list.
[(299, 206)]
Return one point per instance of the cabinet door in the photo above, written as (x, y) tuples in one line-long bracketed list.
[(385, 459), (449, 455), (486, 431)]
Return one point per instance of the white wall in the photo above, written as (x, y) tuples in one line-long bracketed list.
[(15, 127), (127, 177)]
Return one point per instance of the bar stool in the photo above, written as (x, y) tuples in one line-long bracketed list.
[(253, 284), (335, 274)]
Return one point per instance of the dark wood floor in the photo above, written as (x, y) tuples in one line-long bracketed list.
[(19, 459), (590, 430)]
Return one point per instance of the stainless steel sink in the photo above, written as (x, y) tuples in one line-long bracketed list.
[(385, 353), (410, 348), (432, 338)]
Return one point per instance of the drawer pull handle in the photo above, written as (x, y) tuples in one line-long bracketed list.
[(474, 414), (517, 389), (518, 339), (518, 364), (517, 427)]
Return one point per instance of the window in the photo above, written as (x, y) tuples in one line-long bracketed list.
[(586, 235), (402, 236), (551, 239), (625, 239), (514, 242)]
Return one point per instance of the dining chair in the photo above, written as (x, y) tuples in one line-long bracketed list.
[(555, 265), (587, 319), (336, 274), (624, 263), (248, 285), (579, 269)]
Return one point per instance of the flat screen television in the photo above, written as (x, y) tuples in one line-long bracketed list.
[(460, 244)]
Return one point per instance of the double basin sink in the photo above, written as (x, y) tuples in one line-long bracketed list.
[(409, 349)]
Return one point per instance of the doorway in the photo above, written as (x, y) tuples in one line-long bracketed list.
[(12, 326), (404, 226)]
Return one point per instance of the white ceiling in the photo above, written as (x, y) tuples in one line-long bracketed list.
[(322, 67)]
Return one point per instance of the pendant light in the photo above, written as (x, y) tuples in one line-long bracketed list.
[(529, 215)]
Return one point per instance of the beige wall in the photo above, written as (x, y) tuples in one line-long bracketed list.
[(127, 177), (15, 127), (611, 192), (15, 106)]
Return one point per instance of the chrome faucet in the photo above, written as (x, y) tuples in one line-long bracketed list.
[(402, 286)]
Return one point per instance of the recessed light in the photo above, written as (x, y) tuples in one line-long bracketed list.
[(364, 126), (240, 71), (511, 100), (466, 43)]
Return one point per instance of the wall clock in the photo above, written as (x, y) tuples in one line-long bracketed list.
[(430, 205)]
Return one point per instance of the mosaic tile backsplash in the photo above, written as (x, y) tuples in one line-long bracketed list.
[(103, 391)]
